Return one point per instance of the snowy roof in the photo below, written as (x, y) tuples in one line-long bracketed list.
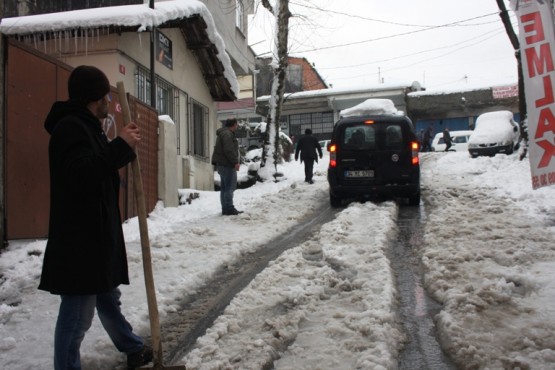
[(345, 90), (140, 16), (371, 107)]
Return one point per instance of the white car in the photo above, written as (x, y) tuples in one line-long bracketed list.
[(459, 142), (324, 144), (495, 132)]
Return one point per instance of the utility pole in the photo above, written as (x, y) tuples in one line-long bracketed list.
[(2, 130), (504, 15), (152, 62)]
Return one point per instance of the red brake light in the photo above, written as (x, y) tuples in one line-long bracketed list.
[(415, 149), (332, 148)]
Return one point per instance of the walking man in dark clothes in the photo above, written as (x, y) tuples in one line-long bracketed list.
[(310, 150)]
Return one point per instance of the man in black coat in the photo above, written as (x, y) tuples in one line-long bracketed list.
[(447, 139), (310, 150), (85, 259)]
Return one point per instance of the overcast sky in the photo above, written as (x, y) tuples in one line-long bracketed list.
[(440, 43)]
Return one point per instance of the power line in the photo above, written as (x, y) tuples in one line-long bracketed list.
[(391, 36), (391, 22)]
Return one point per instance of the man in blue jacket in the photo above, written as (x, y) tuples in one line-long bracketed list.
[(85, 259)]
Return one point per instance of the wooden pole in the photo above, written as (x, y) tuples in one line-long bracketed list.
[(145, 245)]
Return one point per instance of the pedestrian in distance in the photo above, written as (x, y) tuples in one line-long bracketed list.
[(85, 258), (447, 139), (309, 149), (227, 161), (427, 141)]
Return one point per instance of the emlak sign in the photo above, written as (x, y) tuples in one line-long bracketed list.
[(537, 44)]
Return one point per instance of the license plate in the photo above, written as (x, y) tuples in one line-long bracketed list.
[(360, 173)]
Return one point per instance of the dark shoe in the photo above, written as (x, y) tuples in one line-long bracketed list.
[(138, 359), (232, 212), (310, 182)]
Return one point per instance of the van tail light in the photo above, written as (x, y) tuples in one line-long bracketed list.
[(333, 155), (415, 149)]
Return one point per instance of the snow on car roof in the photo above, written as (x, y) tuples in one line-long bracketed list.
[(372, 107), (502, 115)]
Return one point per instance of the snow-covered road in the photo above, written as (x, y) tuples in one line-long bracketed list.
[(330, 302)]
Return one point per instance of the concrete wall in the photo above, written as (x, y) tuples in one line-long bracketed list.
[(236, 41)]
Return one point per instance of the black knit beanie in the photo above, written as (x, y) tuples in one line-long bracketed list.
[(87, 83)]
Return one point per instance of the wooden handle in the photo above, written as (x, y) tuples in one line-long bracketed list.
[(145, 242)]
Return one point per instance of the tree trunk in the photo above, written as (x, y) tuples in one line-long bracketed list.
[(271, 154)]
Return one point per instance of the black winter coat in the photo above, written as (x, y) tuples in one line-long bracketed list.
[(85, 252), (309, 147)]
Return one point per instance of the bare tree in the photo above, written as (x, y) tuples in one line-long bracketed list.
[(271, 150), (504, 14)]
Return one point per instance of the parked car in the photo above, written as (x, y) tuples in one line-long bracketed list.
[(374, 155), (495, 132), (324, 144), (460, 141)]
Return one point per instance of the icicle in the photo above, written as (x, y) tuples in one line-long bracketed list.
[(86, 41), (35, 40), (76, 38), (44, 43)]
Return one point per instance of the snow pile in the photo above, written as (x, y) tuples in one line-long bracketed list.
[(489, 259), (371, 107)]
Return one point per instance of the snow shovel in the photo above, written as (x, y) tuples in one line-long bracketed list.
[(145, 247)]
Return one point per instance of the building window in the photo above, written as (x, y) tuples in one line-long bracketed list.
[(199, 127), (239, 11), (167, 98), (321, 123)]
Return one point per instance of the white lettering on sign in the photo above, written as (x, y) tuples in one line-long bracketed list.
[(163, 40)]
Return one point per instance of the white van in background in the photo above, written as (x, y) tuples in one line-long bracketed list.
[(459, 143)]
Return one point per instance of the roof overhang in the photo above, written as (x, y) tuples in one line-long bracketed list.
[(191, 17)]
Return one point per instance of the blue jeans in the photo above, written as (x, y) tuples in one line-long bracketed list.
[(75, 318), (228, 183)]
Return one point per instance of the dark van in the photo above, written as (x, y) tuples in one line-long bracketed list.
[(374, 156)]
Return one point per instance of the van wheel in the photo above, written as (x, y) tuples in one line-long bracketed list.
[(414, 200), (335, 202), (510, 150)]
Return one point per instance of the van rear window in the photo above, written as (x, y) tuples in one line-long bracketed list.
[(373, 136)]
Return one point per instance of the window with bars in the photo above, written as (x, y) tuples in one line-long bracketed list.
[(167, 98), (199, 127), (319, 123)]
